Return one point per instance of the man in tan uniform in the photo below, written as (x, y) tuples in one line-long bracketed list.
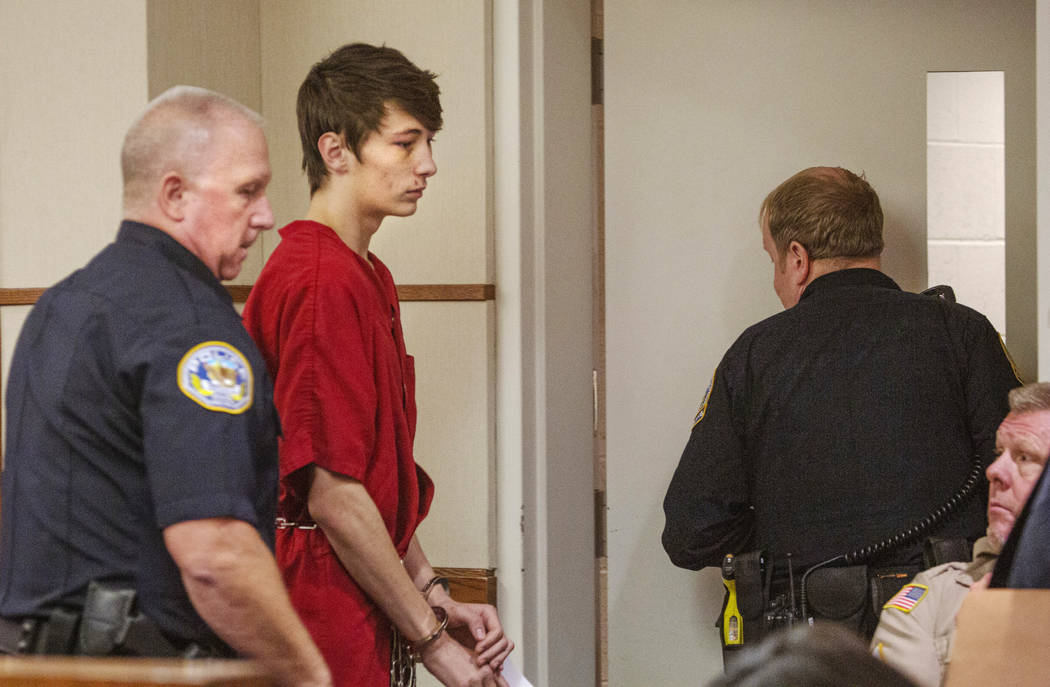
[(917, 626)]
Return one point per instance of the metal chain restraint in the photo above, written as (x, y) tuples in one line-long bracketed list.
[(402, 662), (404, 654)]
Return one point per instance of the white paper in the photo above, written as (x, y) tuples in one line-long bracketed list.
[(513, 676)]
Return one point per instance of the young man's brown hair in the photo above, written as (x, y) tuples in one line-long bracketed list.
[(348, 93)]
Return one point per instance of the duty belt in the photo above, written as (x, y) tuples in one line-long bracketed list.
[(106, 626)]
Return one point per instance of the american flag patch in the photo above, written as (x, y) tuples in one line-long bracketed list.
[(907, 598)]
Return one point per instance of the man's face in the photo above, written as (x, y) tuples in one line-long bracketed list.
[(395, 163), (788, 296), (229, 207), (1021, 446)]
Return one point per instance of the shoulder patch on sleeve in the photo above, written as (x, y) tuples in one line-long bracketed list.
[(1010, 359), (703, 404), (217, 376), (907, 598)]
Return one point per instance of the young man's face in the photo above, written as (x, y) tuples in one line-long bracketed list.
[(393, 168)]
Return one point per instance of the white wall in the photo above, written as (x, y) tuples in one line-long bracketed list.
[(966, 195), (710, 104)]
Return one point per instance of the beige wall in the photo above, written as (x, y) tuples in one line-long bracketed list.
[(208, 44), (64, 112), (708, 106), (73, 78), (212, 45)]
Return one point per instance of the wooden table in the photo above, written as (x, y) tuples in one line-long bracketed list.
[(59, 671)]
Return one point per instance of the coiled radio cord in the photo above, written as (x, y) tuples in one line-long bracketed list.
[(906, 535)]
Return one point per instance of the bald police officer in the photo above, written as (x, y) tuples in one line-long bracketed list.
[(140, 480)]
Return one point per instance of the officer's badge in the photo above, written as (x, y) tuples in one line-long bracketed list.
[(907, 598), (217, 376), (703, 404)]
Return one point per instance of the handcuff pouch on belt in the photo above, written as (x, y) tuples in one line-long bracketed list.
[(105, 620), (107, 625), (111, 625), (839, 594)]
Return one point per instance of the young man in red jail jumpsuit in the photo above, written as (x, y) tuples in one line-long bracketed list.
[(325, 315)]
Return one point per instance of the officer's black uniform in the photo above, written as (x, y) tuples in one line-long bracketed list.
[(136, 401), (838, 422)]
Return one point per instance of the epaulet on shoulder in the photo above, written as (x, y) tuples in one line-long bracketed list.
[(944, 568)]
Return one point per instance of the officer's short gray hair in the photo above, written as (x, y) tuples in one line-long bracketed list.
[(174, 132), (1030, 398)]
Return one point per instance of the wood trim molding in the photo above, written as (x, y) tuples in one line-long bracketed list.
[(239, 292), (470, 585), (446, 292), (20, 296), (405, 293)]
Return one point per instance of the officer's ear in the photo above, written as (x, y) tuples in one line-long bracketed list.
[(798, 264), (173, 196)]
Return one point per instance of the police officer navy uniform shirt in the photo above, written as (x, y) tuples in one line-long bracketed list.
[(838, 422), (136, 401)]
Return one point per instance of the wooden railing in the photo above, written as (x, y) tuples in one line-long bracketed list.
[(239, 292), (63, 671), (470, 585)]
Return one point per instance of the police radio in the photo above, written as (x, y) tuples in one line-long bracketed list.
[(942, 291)]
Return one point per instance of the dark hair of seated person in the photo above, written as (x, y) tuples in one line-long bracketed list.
[(824, 655)]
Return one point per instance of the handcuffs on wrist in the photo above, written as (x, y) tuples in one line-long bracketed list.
[(431, 583), (405, 654), (416, 648)]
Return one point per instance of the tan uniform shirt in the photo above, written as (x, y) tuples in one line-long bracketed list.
[(917, 626)]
